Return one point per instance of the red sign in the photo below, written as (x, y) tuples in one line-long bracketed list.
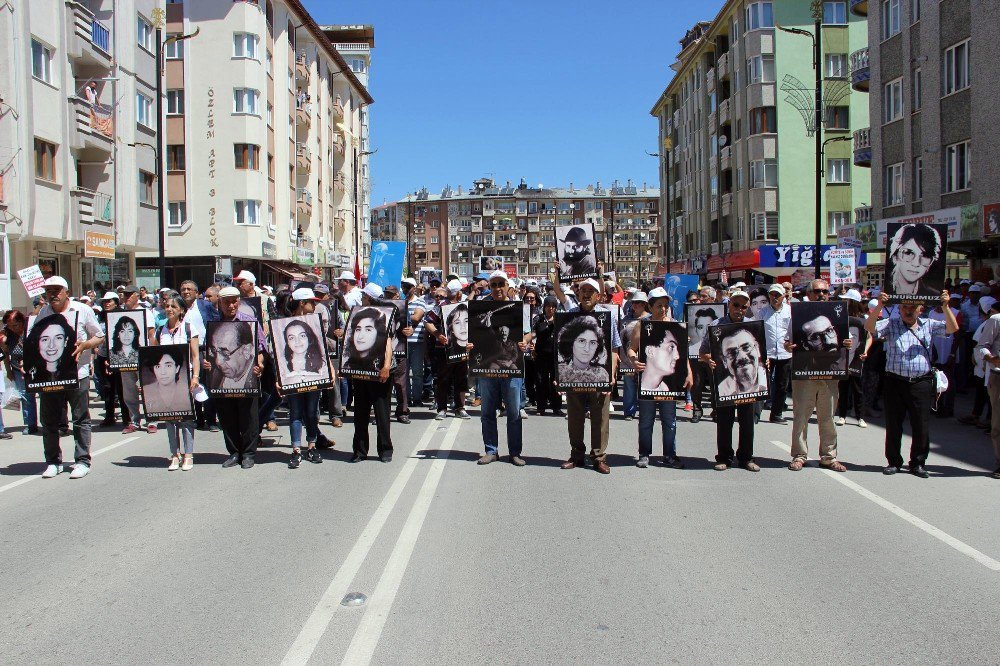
[(510, 270)]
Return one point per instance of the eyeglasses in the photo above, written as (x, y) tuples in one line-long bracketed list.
[(819, 336), (911, 257), (498, 284), (746, 349), (226, 354)]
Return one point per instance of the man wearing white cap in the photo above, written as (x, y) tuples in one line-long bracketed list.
[(416, 346), (777, 318), (349, 290), (638, 311), (52, 405)]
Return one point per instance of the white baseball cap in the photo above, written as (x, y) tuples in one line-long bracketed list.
[(776, 289), (304, 294), (591, 282), (409, 281), (56, 281), (641, 297), (657, 292), (229, 291), (739, 285), (738, 293), (852, 295), (454, 286), (347, 275), (110, 296), (373, 290), (246, 275), (975, 289), (499, 274), (986, 302)]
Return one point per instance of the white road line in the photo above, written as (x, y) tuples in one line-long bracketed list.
[(315, 626), (93, 454), (380, 602), (944, 537)]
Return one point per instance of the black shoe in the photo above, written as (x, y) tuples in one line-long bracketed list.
[(313, 456), (247, 462), (357, 457), (6, 435), (673, 463), (696, 416), (213, 428), (295, 460), (323, 443), (385, 457), (232, 461), (890, 470), (996, 473), (918, 470), (106, 423), (64, 432), (558, 412), (403, 418), (778, 419)]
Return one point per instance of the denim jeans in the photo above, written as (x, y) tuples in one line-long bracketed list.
[(667, 410), (303, 411), (630, 399), (180, 434), (492, 391), (415, 357)]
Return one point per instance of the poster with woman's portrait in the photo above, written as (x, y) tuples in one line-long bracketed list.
[(165, 375), (915, 258), (583, 351), (698, 317), (252, 306), (401, 320), (455, 317), (495, 328), (663, 348), (488, 264), (231, 350), (576, 252), (48, 354), (817, 329), (300, 354), (740, 356), (126, 335), (369, 328)]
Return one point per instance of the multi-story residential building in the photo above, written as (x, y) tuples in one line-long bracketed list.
[(929, 73), (451, 230), (263, 120), (384, 224), (77, 140), (738, 158)]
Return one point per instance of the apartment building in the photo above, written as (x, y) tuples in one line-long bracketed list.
[(77, 141), (736, 123), (263, 127), (451, 230), (934, 109), (384, 225)]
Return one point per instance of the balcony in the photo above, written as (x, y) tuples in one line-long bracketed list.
[(863, 214), (94, 136), (724, 112), (859, 7), (303, 158), (533, 224), (91, 41), (722, 67), (338, 108), (303, 115), (863, 147), (727, 204), (339, 144), (91, 208), (303, 204), (710, 79), (477, 224), (860, 73), (301, 70), (725, 158), (340, 218)]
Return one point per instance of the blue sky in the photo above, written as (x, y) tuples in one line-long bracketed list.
[(553, 91)]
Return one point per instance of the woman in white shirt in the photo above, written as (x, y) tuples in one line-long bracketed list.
[(180, 434)]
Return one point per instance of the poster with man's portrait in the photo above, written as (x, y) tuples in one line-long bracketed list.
[(740, 356), (488, 264), (495, 328), (583, 351), (663, 348), (127, 333), (678, 286), (817, 329), (402, 320), (455, 319), (843, 266), (165, 375), (385, 266), (576, 252), (48, 353), (300, 354), (252, 306), (231, 350), (698, 317), (915, 262), (369, 328), (858, 338)]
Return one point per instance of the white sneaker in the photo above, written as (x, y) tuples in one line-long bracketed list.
[(51, 471), (440, 416), (462, 414), (524, 414), (840, 420), (80, 470), (862, 424)]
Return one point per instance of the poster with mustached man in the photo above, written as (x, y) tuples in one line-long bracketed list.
[(740, 357), (817, 330)]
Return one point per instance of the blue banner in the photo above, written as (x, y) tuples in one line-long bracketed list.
[(678, 286), (797, 256), (385, 266)]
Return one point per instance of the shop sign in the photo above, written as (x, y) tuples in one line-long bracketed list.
[(269, 250), (98, 245), (796, 256)]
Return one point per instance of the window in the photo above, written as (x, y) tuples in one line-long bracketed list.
[(918, 85), (763, 120), (957, 167), (270, 166), (175, 157), (245, 45), (267, 61), (146, 188), (838, 117), (890, 18), (176, 213), (246, 212), (892, 101), (835, 220), (914, 11), (45, 160), (835, 13), (836, 65), (245, 101), (270, 218), (918, 179), (144, 110), (144, 33), (765, 226), (760, 69), (175, 102), (357, 65), (760, 15), (956, 68), (892, 185), (41, 61), (173, 50), (247, 156), (838, 171), (763, 173)]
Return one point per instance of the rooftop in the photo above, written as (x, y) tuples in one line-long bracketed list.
[(485, 188)]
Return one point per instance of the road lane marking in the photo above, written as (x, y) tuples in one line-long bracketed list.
[(318, 621), (380, 601), (94, 454), (944, 537)]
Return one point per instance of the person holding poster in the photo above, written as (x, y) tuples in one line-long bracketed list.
[(180, 434), (123, 340), (369, 361), (574, 252), (915, 261), (777, 318), (850, 388), (451, 377)]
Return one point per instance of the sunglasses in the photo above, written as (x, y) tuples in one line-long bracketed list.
[(498, 285), (740, 307)]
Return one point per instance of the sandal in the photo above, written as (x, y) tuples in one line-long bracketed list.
[(175, 464), (797, 464), (188, 463), (834, 465)]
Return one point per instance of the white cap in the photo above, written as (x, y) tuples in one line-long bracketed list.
[(454, 286), (347, 275), (499, 274), (84, 299), (657, 292), (965, 281), (641, 297), (110, 296), (975, 289), (229, 291), (373, 290), (266, 288), (531, 283), (304, 294), (986, 302), (591, 282), (56, 281), (777, 289), (852, 295), (246, 275), (409, 281), (739, 292), (872, 304), (738, 285), (165, 289)]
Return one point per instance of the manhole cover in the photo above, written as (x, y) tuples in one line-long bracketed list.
[(353, 599)]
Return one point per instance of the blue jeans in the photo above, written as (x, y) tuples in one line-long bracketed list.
[(415, 357), (303, 410), (29, 407), (180, 435), (492, 391), (668, 420), (630, 398)]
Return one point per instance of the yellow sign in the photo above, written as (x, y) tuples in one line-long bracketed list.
[(99, 246)]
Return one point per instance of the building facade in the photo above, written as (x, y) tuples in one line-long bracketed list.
[(383, 223), (736, 134)]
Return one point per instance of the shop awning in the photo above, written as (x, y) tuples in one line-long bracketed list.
[(291, 271)]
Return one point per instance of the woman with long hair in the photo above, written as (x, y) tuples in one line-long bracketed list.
[(180, 434), (915, 250), (582, 353), (304, 359), (370, 344), (111, 380), (125, 343), (366, 344), (48, 354), (14, 323)]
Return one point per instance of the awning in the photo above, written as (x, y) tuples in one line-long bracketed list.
[(290, 271)]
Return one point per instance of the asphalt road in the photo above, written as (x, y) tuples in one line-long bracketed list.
[(466, 564)]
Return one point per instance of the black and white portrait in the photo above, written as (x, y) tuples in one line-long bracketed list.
[(915, 262), (368, 331), (663, 348), (817, 330), (455, 317), (251, 305), (126, 335), (576, 252), (858, 337), (758, 301), (48, 354), (583, 351), (231, 350), (740, 357), (165, 374), (488, 264), (698, 317), (300, 353), (401, 320), (495, 328)]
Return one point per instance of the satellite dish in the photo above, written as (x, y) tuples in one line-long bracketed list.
[(723, 140)]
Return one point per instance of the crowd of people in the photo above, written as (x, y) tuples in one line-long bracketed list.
[(905, 355)]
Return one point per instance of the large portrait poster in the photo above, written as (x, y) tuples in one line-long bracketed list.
[(817, 329), (165, 375), (126, 335), (402, 319), (698, 317), (663, 348), (740, 356), (231, 350), (583, 351), (576, 252), (488, 264), (843, 266), (48, 354), (300, 354), (915, 258), (252, 306), (495, 328), (385, 266), (855, 328), (455, 317), (365, 341), (678, 286)]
